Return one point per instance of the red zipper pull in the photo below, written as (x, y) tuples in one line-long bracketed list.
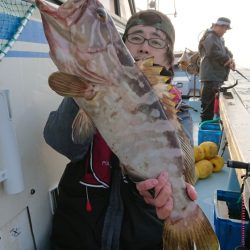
[(88, 204)]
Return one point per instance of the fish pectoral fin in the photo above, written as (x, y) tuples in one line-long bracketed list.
[(82, 127), (66, 84)]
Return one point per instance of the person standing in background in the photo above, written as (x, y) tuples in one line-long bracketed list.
[(216, 62)]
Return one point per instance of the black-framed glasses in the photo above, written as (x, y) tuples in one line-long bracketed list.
[(156, 43)]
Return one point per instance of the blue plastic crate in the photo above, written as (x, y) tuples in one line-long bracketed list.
[(210, 131), (228, 228)]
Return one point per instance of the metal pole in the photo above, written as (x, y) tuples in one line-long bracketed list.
[(194, 86)]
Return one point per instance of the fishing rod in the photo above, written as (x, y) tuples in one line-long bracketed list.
[(237, 71)]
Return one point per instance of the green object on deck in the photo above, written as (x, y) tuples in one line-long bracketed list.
[(217, 120)]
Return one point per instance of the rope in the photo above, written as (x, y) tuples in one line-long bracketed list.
[(243, 219)]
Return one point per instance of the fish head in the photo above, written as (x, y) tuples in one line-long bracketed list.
[(81, 32)]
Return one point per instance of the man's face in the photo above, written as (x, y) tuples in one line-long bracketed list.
[(145, 50), (220, 29)]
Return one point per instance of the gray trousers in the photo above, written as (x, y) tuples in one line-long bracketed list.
[(208, 91)]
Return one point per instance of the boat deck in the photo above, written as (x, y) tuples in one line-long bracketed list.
[(235, 114), (235, 146), (206, 188)]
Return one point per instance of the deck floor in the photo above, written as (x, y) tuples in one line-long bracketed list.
[(206, 188)]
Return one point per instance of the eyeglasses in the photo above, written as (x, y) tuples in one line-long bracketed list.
[(156, 43)]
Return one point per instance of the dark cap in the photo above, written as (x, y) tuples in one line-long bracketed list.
[(152, 18), (223, 21)]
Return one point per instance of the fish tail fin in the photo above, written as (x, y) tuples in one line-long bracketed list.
[(191, 232)]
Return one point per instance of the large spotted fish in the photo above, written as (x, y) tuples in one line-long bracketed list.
[(96, 69)]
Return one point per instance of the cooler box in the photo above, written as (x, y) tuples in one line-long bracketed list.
[(210, 131), (227, 219)]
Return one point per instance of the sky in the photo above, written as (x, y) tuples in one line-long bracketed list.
[(195, 16)]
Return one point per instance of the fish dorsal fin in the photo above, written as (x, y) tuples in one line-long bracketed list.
[(66, 84), (166, 98), (151, 71), (157, 81), (82, 127)]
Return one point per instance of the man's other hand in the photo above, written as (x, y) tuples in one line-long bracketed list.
[(163, 196)]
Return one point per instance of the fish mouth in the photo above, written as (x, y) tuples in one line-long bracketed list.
[(96, 50)]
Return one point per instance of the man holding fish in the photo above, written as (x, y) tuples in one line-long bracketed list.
[(100, 206)]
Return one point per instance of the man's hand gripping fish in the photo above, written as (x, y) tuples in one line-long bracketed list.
[(96, 69)]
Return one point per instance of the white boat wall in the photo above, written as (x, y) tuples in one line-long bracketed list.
[(25, 215), (29, 168)]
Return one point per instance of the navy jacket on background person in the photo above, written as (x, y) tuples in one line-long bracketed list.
[(214, 54)]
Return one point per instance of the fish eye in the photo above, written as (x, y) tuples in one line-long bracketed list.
[(101, 14)]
